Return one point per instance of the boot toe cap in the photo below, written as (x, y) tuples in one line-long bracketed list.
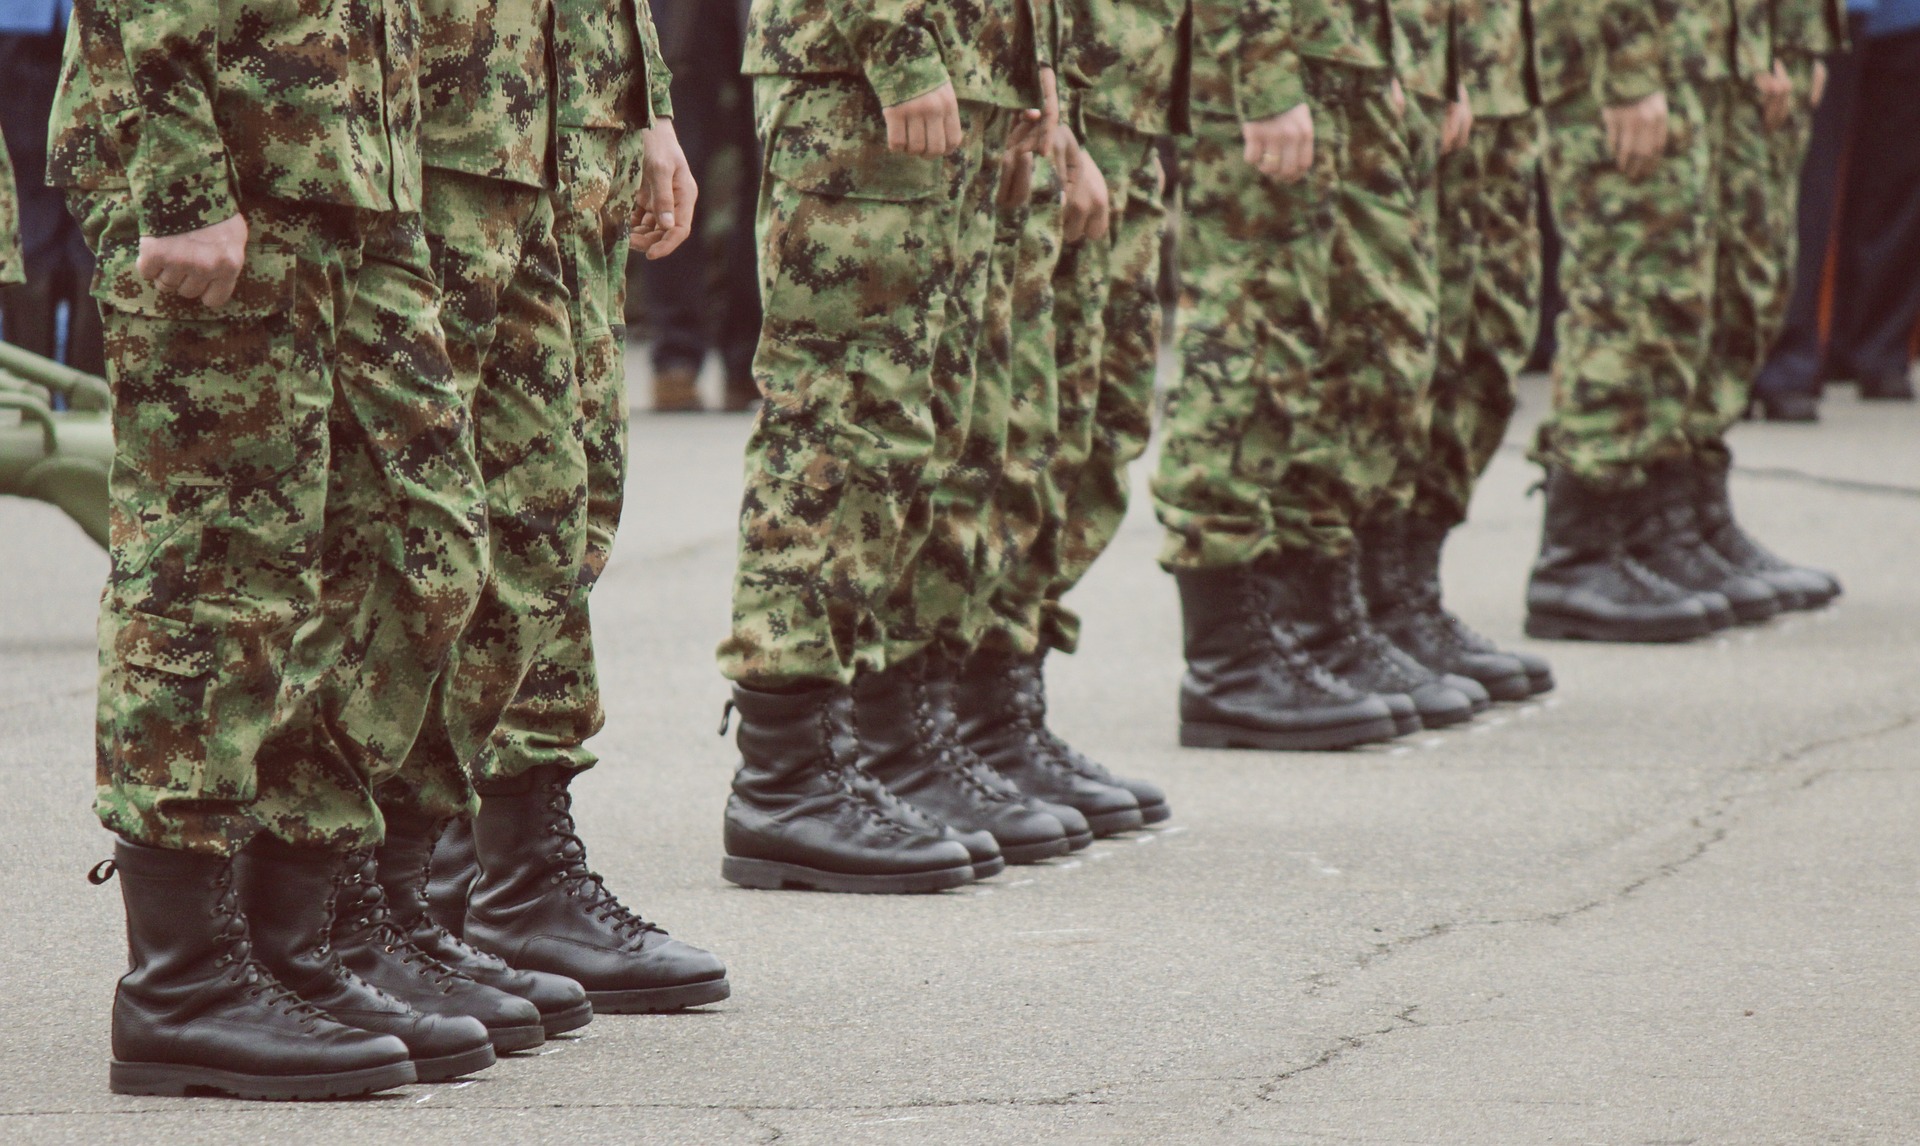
[(1440, 705)]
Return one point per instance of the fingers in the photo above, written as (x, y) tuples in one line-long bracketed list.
[(1016, 179), (218, 288), (916, 135), (1075, 213), (676, 225), (950, 121), (896, 128), (659, 191)]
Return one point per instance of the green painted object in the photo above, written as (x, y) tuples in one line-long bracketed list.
[(61, 457)]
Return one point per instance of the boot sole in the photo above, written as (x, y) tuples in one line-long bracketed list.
[(1408, 724), (1540, 682), (509, 1039), (1209, 735), (653, 1000), (1044, 850), (171, 1080), (451, 1066), (1756, 612), (571, 1019), (1447, 718), (1508, 689), (987, 869), (1156, 813), (1548, 627), (1113, 823), (771, 875)]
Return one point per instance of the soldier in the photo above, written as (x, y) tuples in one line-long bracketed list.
[(530, 227), (1639, 542), (876, 228), (1488, 275), (283, 408), (1081, 330)]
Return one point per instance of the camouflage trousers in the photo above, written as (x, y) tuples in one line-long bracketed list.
[(558, 708), (1753, 173), (298, 533), (1082, 338), (12, 267), (511, 343), (1489, 298), (1307, 329), (873, 272), (1637, 271)]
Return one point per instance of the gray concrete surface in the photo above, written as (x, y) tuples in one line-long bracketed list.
[(1674, 903)]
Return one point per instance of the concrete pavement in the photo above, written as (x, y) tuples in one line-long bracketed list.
[(1674, 902)]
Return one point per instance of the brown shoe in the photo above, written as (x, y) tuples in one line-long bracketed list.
[(742, 393), (674, 392)]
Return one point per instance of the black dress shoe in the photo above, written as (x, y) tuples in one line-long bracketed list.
[(1896, 387)]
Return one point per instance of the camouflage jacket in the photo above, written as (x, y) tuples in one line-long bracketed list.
[(1129, 60), (486, 87), (1246, 53), (988, 49), (1804, 29), (1615, 50), (1493, 55), (1428, 29), (608, 65), (195, 104)]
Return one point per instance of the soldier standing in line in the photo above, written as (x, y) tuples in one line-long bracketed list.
[(283, 407), (1639, 543), (880, 123), (1085, 323), (533, 142), (623, 183), (1488, 276)]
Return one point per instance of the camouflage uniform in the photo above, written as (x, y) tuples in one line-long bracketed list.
[(1489, 250), (1287, 425), (11, 268), (1086, 320), (873, 273), (297, 527), (612, 82), (1638, 265)]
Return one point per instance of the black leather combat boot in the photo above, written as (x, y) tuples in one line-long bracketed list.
[(1319, 598), (288, 894), (1000, 702), (1664, 535), (804, 814), (1249, 684), (1586, 586), (197, 1013), (450, 876), (541, 908), (1799, 587), (402, 867), (1400, 572), (374, 948), (908, 742)]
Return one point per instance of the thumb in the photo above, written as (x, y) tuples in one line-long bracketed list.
[(660, 190)]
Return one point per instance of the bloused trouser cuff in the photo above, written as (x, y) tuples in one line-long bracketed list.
[(297, 535)]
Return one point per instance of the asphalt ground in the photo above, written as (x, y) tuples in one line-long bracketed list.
[(1674, 902)]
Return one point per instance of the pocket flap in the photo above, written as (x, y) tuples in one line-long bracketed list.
[(265, 287), (163, 645), (831, 139)]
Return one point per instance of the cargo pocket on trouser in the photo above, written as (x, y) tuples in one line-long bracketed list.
[(218, 496)]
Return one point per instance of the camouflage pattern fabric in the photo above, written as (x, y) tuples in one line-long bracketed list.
[(558, 708), (12, 268), (1638, 274), (485, 87), (297, 531), (608, 71), (873, 271), (987, 49), (196, 104), (1489, 296), (1258, 446), (1096, 354), (1492, 55), (1602, 51), (1124, 59), (511, 343)]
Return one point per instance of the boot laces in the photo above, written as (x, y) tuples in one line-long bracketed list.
[(373, 917), (581, 882), (959, 760), (1030, 715), (247, 973), (422, 917), (1283, 646)]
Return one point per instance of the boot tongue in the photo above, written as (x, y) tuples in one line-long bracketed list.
[(569, 860)]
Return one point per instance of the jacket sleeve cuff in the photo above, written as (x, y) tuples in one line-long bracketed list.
[(1273, 88), (896, 81), (1631, 85), (181, 197)]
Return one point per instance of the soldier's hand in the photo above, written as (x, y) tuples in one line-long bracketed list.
[(1016, 178), (203, 264), (1637, 134), (1398, 96), (926, 124), (1817, 90), (1459, 125), (1088, 207), (1776, 96), (1281, 147), (667, 194)]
